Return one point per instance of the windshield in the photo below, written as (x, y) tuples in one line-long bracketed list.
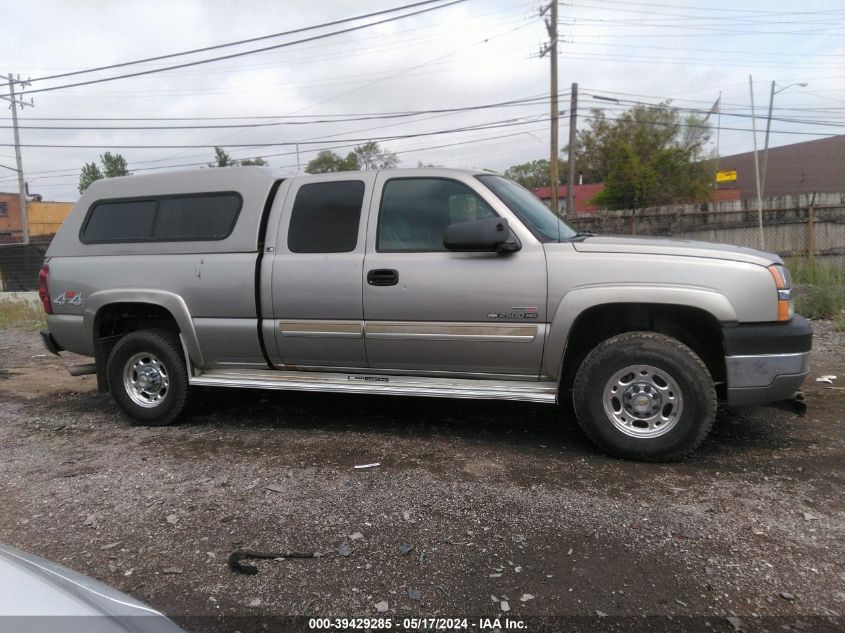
[(545, 225)]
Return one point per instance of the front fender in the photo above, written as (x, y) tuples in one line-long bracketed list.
[(577, 301), (171, 302)]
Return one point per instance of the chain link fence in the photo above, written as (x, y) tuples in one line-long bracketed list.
[(792, 226), (20, 263), (799, 230)]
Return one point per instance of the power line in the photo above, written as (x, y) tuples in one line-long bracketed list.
[(485, 126), (329, 50), (249, 52), (497, 137), (236, 43), (365, 117), (751, 12)]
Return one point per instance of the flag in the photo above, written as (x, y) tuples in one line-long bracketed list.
[(715, 109)]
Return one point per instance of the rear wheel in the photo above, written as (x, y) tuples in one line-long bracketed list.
[(148, 378), (643, 395)]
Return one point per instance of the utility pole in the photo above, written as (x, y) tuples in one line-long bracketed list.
[(551, 49), (766, 143), (772, 93), (13, 105), (718, 131), (573, 128), (756, 165)]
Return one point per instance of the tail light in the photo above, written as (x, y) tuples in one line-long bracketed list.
[(43, 292)]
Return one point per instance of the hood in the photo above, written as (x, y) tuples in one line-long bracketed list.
[(669, 246), (40, 595)]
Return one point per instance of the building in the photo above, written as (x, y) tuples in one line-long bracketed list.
[(45, 218), (816, 166), (582, 195)]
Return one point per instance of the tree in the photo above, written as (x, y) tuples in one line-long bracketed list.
[(90, 173), (530, 175), (114, 165), (647, 156), (370, 156), (590, 154), (259, 162), (223, 159), (327, 161)]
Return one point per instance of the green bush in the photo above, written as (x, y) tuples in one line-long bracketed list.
[(819, 286)]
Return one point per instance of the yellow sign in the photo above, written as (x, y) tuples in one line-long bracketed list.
[(726, 175)]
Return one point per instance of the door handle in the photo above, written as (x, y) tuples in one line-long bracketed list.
[(383, 277)]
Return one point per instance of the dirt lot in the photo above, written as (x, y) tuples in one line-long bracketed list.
[(502, 503)]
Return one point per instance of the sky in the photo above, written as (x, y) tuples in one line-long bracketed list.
[(453, 57)]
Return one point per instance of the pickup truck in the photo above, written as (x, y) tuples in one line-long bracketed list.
[(419, 282)]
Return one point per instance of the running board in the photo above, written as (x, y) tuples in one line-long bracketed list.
[(527, 391)]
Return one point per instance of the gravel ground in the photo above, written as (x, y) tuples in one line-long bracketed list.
[(507, 506)]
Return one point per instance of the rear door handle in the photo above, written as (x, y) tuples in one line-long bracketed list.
[(383, 277)]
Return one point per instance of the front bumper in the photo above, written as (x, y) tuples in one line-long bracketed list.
[(766, 362)]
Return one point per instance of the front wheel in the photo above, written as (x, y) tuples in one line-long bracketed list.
[(147, 377), (643, 395)]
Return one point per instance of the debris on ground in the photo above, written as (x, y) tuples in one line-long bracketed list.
[(172, 570), (504, 606), (356, 536), (237, 558), (344, 550), (382, 606), (827, 378), (526, 597), (405, 549), (373, 465), (735, 622), (414, 594)]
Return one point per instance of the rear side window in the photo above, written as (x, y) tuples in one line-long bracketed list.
[(325, 217), (120, 221), (196, 218), (200, 217)]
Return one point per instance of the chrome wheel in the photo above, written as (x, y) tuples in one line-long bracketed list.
[(643, 401), (146, 380)]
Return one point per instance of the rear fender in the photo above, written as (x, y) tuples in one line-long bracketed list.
[(171, 302)]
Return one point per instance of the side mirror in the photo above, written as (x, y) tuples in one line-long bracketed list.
[(488, 235)]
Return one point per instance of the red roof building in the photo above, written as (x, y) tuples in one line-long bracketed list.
[(581, 196)]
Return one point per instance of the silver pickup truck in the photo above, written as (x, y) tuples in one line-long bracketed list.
[(419, 282)]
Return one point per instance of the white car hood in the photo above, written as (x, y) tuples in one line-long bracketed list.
[(39, 595)]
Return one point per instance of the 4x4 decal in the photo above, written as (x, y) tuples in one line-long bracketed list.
[(71, 298)]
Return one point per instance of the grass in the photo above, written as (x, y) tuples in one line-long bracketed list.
[(22, 314), (819, 288)]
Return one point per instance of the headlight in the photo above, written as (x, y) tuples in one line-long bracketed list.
[(783, 283)]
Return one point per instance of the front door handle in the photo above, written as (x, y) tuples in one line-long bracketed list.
[(383, 277)]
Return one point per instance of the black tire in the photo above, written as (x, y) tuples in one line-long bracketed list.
[(161, 393), (617, 408)]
